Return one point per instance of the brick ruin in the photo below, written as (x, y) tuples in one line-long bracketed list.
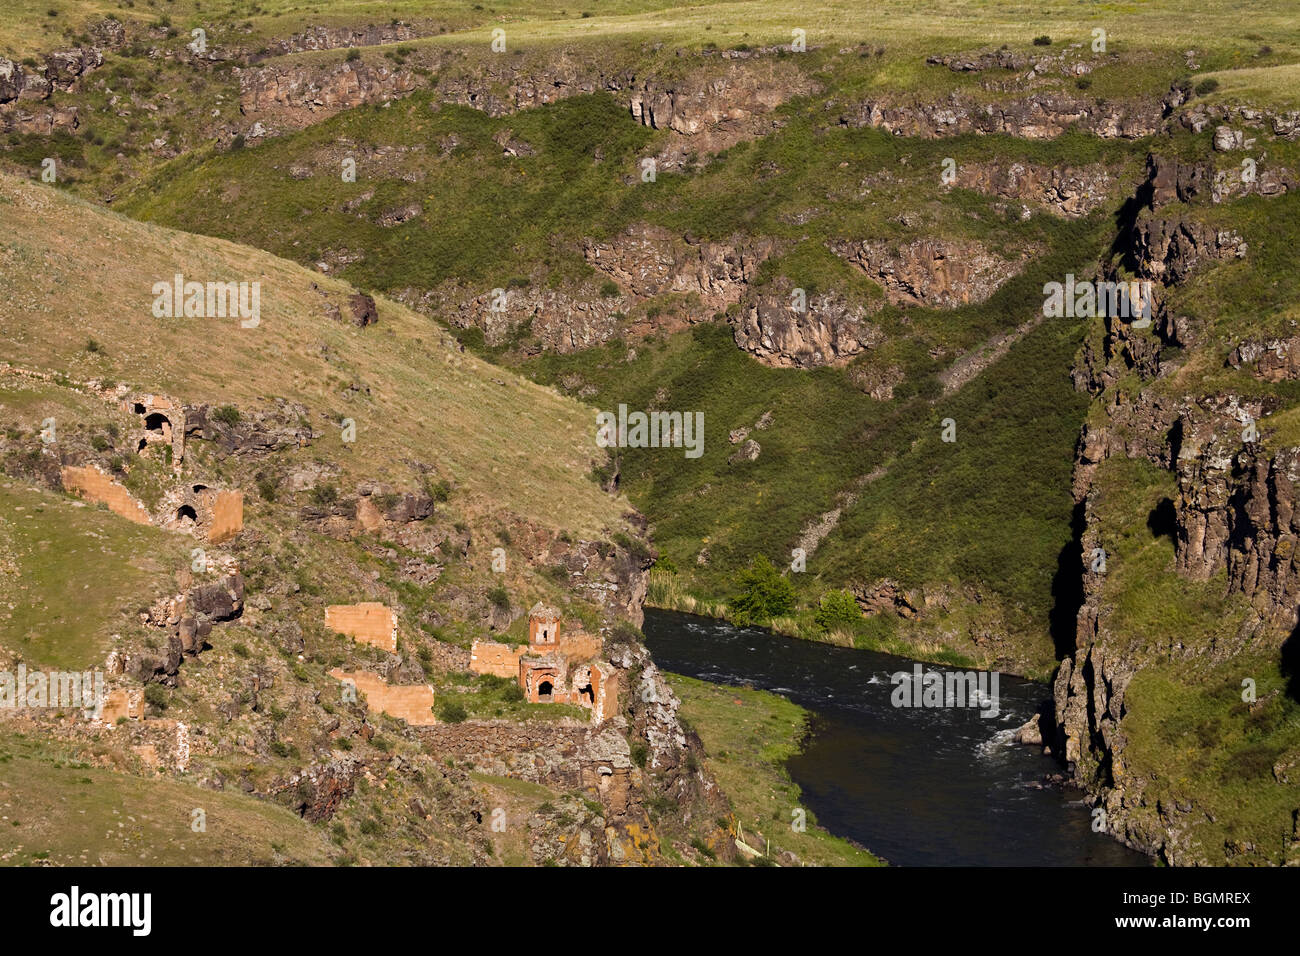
[(94, 485), (412, 703), (553, 668), (162, 424), (122, 702), (376, 624), (369, 623), (210, 514)]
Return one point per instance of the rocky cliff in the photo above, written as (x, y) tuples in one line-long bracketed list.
[(1228, 515)]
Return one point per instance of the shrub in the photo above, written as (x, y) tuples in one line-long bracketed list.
[(762, 594), (1043, 40), (499, 597), (324, 495), (226, 415), (633, 546), (268, 487), (837, 609), (439, 490), (609, 289), (155, 696), (353, 55), (1207, 86), (452, 712)]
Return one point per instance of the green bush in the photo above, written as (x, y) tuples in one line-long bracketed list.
[(762, 594), (452, 712), (837, 609), (324, 495), (226, 415), (1207, 86), (156, 696), (499, 597)]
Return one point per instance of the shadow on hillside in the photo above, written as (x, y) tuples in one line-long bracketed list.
[(1291, 663), (1162, 522), (1067, 588)]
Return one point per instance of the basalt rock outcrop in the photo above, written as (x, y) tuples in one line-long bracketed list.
[(332, 38), (59, 73), (935, 273), (648, 261), (251, 432), (1066, 191), (561, 321), (1037, 116), (709, 108), (24, 91), (297, 96), (643, 262), (827, 330), (1175, 181)]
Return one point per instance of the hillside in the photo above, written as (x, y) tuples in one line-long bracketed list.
[(829, 229), (243, 694)]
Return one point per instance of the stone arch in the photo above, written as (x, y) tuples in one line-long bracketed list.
[(157, 422), (545, 688), (187, 512)]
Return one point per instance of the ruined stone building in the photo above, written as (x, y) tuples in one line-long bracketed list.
[(553, 667)]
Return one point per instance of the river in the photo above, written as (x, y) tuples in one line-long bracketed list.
[(917, 786)]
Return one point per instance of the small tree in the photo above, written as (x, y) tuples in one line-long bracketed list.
[(763, 594), (452, 712), (837, 609)]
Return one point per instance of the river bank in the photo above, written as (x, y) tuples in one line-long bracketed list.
[(749, 736), (665, 593)]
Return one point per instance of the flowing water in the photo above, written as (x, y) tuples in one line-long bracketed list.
[(917, 786)]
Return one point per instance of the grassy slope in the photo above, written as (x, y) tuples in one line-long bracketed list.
[(748, 735), (514, 442), (57, 809), (834, 21), (427, 400), (71, 575)]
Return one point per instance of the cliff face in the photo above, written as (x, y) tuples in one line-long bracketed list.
[(713, 105), (1168, 434)]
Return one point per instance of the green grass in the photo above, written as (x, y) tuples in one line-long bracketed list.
[(74, 574), (57, 809), (748, 735), (1189, 731)]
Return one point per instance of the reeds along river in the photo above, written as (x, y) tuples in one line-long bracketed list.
[(919, 786)]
